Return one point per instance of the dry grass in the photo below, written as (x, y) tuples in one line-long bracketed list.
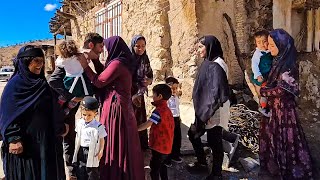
[(7, 53)]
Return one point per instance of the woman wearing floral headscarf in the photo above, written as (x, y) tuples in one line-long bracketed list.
[(284, 150)]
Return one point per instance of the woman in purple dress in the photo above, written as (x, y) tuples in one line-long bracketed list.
[(123, 158), (284, 150)]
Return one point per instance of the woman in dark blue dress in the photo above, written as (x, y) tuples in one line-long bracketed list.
[(31, 123)]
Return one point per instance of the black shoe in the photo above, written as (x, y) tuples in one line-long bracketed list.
[(197, 167), (168, 164), (176, 160), (213, 178)]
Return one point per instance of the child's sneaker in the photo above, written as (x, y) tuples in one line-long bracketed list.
[(176, 160), (264, 112)]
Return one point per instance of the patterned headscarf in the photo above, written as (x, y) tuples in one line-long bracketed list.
[(286, 59), (143, 62)]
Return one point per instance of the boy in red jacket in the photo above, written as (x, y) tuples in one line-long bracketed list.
[(161, 132)]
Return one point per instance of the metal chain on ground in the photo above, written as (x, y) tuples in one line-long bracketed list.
[(245, 122)]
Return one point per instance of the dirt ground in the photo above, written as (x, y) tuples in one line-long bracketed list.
[(179, 171)]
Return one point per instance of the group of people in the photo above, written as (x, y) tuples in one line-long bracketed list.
[(38, 126)]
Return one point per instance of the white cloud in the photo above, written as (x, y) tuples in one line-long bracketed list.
[(50, 7)]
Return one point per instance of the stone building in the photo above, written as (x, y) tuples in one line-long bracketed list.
[(172, 28)]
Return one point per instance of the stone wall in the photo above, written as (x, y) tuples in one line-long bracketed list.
[(150, 18), (83, 24), (183, 28), (210, 20), (309, 103)]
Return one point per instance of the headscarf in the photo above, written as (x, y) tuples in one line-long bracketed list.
[(211, 87), (286, 59), (24, 88), (143, 62), (118, 50), (213, 48)]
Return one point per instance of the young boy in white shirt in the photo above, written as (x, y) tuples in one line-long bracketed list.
[(89, 144), (173, 104)]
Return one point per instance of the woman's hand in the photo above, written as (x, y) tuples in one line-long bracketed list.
[(136, 100), (16, 147), (83, 60), (67, 130), (92, 55)]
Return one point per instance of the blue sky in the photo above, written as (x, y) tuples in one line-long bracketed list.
[(25, 20)]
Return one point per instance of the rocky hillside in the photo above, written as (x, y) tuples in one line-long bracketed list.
[(9, 52)]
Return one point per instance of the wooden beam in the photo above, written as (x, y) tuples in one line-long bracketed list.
[(317, 30), (66, 15), (282, 14), (310, 30), (61, 28)]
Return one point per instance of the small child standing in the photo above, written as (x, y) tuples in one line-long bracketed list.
[(74, 80), (173, 104), (89, 143), (261, 64), (161, 132)]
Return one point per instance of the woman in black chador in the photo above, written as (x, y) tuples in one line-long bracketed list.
[(31, 123)]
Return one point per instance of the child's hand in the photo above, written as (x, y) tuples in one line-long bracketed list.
[(260, 79), (99, 154)]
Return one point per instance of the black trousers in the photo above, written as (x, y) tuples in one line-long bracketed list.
[(157, 166), (83, 172), (214, 136), (176, 146), (69, 140)]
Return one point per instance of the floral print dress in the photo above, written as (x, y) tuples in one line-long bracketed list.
[(283, 148)]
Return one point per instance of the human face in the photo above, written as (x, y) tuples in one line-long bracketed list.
[(174, 88), (98, 48), (36, 65), (88, 115), (140, 47), (272, 47), (262, 43), (202, 50), (156, 97)]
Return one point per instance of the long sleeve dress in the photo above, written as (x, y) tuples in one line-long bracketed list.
[(283, 148), (122, 159), (143, 70), (42, 156)]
